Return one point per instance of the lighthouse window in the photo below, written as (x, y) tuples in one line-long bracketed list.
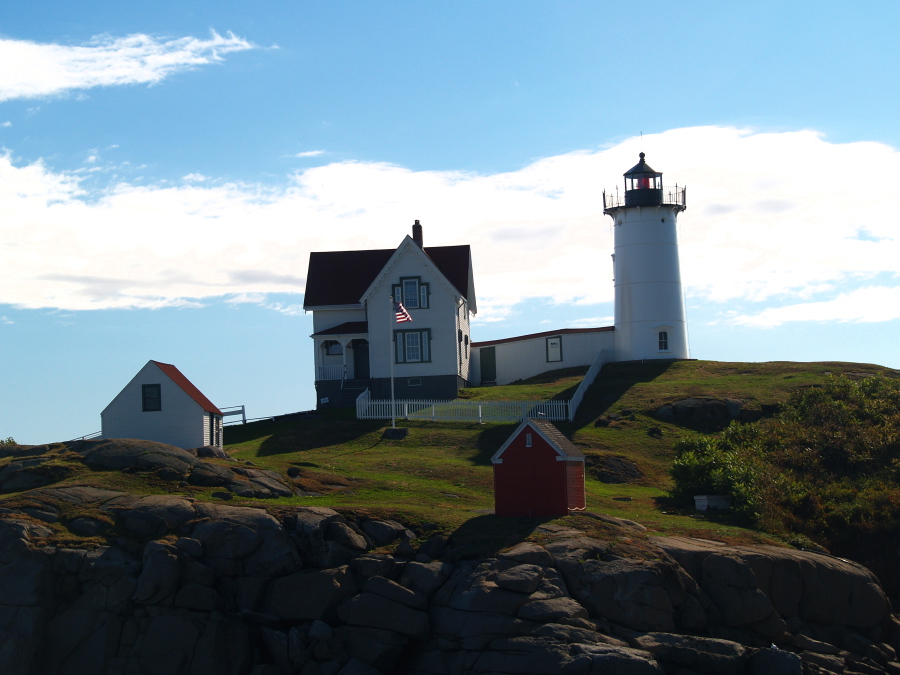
[(663, 341)]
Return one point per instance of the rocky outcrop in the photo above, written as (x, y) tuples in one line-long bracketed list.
[(35, 468), (708, 412), (184, 586)]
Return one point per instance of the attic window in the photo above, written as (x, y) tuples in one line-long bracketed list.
[(412, 293), (151, 398), (527, 440)]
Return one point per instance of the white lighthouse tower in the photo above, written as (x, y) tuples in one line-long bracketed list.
[(649, 309)]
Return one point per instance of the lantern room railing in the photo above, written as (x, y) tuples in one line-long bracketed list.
[(667, 196)]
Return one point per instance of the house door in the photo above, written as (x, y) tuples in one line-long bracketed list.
[(488, 365), (361, 359)]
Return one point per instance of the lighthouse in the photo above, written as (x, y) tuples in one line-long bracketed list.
[(649, 302)]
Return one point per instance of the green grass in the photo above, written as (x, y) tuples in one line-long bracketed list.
[(440, 479), (441, 475)]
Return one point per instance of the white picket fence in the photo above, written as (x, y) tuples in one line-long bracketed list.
[(460, 411), (478, 411)]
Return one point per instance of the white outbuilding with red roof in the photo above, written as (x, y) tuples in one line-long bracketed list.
[(161, 404)]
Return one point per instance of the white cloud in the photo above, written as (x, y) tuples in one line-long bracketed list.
[(31, 69), (194, 178), (867, 305), (310, 153), (769, 220), (6, 320), (6, 124)]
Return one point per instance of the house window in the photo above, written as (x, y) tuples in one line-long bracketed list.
[(663, 341), (151, 398), (527, 440), (332, 348), (412, 346), (414, 382), (554, 349), (412, 293)]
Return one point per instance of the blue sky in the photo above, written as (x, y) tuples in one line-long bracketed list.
[(166, 168)]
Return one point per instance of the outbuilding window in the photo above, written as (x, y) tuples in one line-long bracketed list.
[(151, 397)]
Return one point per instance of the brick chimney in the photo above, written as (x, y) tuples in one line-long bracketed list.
[(417, 233)]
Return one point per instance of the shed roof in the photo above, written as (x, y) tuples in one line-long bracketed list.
[(342, 277), (188, 387), (553, 436)]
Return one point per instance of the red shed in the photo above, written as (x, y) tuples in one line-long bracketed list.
[(538, 472)]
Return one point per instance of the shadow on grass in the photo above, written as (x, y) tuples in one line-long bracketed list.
[(330, 427), (614, 380), (490, 440), (485, 536)]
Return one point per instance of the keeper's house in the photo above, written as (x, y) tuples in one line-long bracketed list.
[(356, 340), (160, 404)]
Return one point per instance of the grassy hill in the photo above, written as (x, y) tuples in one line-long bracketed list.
[(440, 476)]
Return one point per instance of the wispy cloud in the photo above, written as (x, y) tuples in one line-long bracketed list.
[(36, 69), (310, 153), (6, 321), (754, 230), (866, 305)]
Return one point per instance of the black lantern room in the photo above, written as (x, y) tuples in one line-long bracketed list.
[(643, 185)]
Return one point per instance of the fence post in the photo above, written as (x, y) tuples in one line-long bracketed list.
[(480, 420)]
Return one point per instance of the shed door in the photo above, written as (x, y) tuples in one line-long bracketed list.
[(488, 365)]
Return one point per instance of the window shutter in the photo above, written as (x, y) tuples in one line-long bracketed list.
[(398, 294), (423, 293)]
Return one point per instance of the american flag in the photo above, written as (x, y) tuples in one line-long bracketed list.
[(400, 313)]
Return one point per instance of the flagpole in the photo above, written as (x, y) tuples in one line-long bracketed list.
[(392, 349)]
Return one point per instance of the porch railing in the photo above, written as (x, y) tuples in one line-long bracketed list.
[(330, 372)]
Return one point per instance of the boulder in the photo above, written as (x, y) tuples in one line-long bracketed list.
[(306, 596), (703, 655), (528, 553), (376, 611), (382, 532), (521, 578)]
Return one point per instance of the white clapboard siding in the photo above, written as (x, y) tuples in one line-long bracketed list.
[(439, 316), (523, 358), (182, 422), (323, 319)]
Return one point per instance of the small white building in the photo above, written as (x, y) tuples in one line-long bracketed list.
[(518, 358), (161, 404)]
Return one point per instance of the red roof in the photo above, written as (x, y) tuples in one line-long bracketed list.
[(349, 328), (531, 336), (188, 387), (341, 277)]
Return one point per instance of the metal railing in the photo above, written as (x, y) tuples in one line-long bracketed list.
[(235, 410), (588, 380), (671, 196), (96, 434), (459, 411)]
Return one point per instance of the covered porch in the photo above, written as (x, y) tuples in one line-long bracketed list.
[(342, 352)]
